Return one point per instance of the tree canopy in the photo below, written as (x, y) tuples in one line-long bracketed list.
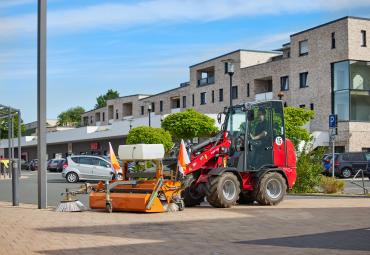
[(150, 135), (189, 124), (295, 119), (101, 101), (4, 127), (71, 117)]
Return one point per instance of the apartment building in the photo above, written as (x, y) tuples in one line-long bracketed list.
[(324, 68)]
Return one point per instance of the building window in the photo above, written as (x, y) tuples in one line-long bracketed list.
[(302, 106), (213, 96), (351, 90), (333, 40), (142, 109), (116, 114), (363, 40), (184, 102), (284, 83), (203, 98), (161, 106), (312, 107), (234, 92), (248, 90), (285, 104), (226, 65), (221, 95), (103, 116), (303, 48), (91, 119), (153, 107), (192, 100), (303, 80)]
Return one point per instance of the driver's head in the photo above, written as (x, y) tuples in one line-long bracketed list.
[(261, 114)]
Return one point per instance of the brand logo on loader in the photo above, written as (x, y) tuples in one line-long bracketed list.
[(279, 140)]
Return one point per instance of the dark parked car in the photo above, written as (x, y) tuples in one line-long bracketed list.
[(56, 164), (347, 164)]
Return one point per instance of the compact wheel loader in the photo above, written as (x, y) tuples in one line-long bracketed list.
[(249, 160)]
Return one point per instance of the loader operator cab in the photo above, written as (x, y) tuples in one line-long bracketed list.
[(253, 129)]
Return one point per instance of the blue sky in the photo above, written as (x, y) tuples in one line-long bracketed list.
[(139, 46)]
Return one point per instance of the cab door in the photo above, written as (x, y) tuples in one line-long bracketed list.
[(260, 137)]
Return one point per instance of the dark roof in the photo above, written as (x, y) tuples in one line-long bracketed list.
[(232, 52), (328, 23)]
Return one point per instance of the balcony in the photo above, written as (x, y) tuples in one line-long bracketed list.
[(206, 81), (263, 96)]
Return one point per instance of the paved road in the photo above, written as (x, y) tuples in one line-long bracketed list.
[(56, 185), (28, 188), (296, 226)]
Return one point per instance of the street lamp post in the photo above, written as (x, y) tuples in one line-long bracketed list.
[(149, 111), (230, 71)]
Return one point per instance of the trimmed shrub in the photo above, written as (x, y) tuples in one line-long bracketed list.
[(331, 185), (150, 135)]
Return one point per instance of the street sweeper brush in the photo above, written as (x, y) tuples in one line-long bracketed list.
[(70, 203)]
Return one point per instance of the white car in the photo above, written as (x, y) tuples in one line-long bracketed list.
[(85, 167)]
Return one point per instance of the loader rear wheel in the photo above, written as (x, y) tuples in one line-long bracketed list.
[(271, 189), (223, 190)]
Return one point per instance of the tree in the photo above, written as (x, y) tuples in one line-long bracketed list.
[(101, 101), (189, 124), (71, 117), (295, 119), (4, 127), (150, 135)]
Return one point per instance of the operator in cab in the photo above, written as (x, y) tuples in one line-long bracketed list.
[(261, 128)]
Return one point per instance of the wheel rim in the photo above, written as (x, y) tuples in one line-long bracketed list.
[(229, 189), (274, 188), (346, 173), (72, 177)]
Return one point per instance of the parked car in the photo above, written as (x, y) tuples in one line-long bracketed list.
[(32, 165), (56, 164), (84, 167), (347, 164)]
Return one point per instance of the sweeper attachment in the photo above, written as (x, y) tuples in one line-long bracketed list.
[(144, 186), (70, 203)]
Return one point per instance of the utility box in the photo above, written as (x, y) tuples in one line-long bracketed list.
[(141, 151)]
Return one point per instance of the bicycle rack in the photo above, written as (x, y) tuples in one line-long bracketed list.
[(363, 181)]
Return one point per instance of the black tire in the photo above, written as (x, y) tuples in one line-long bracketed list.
[(222, 196), (191, 195), (346, 173), (271, 189), (108, 207), (246, 198), (72, 177)]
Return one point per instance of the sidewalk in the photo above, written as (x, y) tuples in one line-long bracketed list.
[(27, 230)]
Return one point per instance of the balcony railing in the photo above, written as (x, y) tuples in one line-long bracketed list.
[(206, 81), (263, 96)]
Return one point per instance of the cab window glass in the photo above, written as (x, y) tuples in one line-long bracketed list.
[(86, 161)]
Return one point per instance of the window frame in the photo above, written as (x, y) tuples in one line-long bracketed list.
[(203, 98), (301, 86), (282, 87), (300, 48), (234, 92), (363, 38), (220, 95)]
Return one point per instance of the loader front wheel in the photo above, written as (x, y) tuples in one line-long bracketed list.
[(223, 190), (271, 189), (191, 194)]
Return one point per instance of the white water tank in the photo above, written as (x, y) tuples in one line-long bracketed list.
[(141, 151)]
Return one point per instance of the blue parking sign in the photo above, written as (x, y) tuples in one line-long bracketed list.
[(332, 121)]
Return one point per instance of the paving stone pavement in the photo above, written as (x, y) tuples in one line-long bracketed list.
[(296, 226)]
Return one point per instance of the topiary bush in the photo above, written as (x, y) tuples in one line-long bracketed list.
[(331, 185), (150, 135), (189, 124)]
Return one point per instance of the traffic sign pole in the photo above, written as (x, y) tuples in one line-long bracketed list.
[(333, 123)]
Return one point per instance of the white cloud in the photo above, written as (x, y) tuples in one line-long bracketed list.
[(113, 15)]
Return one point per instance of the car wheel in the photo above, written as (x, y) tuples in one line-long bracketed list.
[(72, 177), (346, 173)]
